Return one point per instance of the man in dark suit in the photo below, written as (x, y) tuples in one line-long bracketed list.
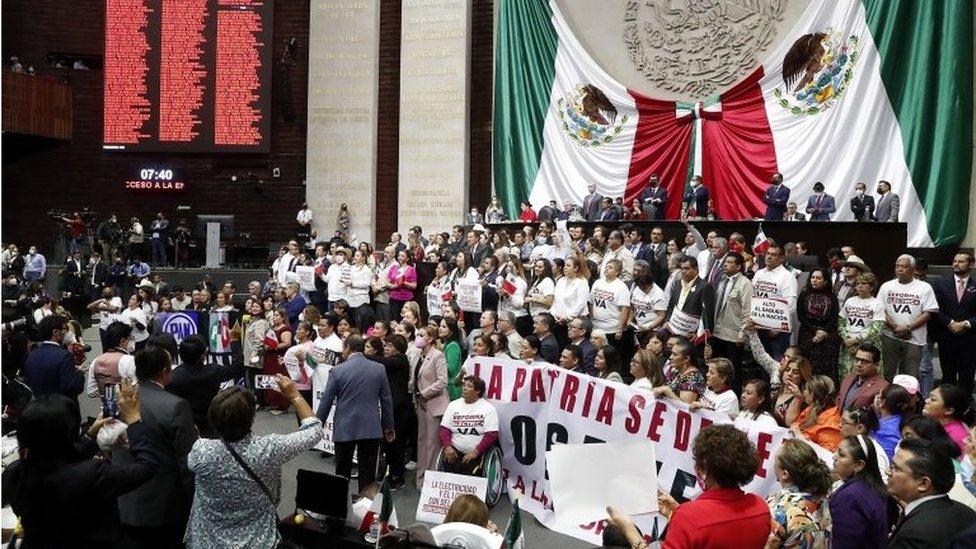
[(955, 322), (862, 205), (579, 330), (199, 383), (821, 204), (397, 366), (98, 276), (858, 389), (654, 199), (791, 213), (73, 275), (155, 514), (542, 328), (658, 250), (608, 212), (696, 199), (693, 296), (776, 197), (49, 369), (591, 203), (921, 476), (364, 410), (478, 250)]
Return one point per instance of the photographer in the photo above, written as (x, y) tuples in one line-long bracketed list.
[(110, 238), (76, 232), (56, 473)]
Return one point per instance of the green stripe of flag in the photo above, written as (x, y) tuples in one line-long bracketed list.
[(926, 52), (525, 53)]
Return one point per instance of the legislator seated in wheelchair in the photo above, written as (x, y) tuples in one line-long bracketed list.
[(469, 437)]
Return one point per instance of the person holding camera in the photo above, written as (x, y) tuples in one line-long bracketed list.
[(63, 497)]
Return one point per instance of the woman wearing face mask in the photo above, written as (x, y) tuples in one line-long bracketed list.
[(723, 515), (428, 385), (817, 311), (801, 517)]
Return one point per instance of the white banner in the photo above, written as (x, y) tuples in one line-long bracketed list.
[(683, 324), (469, 295), (540, 406), (439, 491), (771, 313)]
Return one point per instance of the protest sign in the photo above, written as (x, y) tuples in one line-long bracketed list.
[(439, 491), (771, 313), (682, 323), (542, 406), (469, 295), (584, 485), (306, 277)]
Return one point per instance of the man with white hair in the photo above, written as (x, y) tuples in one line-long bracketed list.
[(908, 303)]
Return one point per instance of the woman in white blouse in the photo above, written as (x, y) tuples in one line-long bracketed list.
[(357, 290), (438, 287), (512, 290), (134, 316), (572, 292), (540, 294), (464, 270)]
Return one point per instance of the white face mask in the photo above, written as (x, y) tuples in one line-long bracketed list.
[(859, 192), (130, 346), (69, 338)]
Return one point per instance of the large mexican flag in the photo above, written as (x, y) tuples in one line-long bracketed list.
[(857, 90)]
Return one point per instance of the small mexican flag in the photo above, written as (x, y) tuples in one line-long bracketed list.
[(761, 243), (271, 339), (514, 538), (383, 508)]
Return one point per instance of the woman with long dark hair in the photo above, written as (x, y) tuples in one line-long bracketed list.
[(817, 310), (756, 404), (859, 506), (949, 405), (449, 339), (891, 406)]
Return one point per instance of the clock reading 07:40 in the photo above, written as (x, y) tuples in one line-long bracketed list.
[(148, 174)]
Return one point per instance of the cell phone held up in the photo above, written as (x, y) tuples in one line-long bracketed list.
[(110, 403), (265, 382)]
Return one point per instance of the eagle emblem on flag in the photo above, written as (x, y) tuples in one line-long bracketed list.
[(589, 117), (817, 71)]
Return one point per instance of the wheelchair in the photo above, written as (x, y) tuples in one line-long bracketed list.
[(489, 467)]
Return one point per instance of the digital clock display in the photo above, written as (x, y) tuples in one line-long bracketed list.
[(155, 178)]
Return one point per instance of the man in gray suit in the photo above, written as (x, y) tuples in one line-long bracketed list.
[(155, 514), (887, 209), (358, 387), (591, 203)]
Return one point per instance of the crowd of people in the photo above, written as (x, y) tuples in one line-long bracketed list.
[(697, 203), (853, 374)]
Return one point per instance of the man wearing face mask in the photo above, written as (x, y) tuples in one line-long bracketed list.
[(358, 388), (473, 217), (49, 369), (888, 203), (35, 266), (821, 204), (862, 205)]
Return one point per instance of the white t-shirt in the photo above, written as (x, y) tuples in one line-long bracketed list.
[(904, 303), (607, 298), (469, 422), (570, 297), (725, 401), (542, 289), (132, 317), (765, 420), (336, 277), (778, 282), (181, 304), (646, 305), (106, 318), (858, 314)]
